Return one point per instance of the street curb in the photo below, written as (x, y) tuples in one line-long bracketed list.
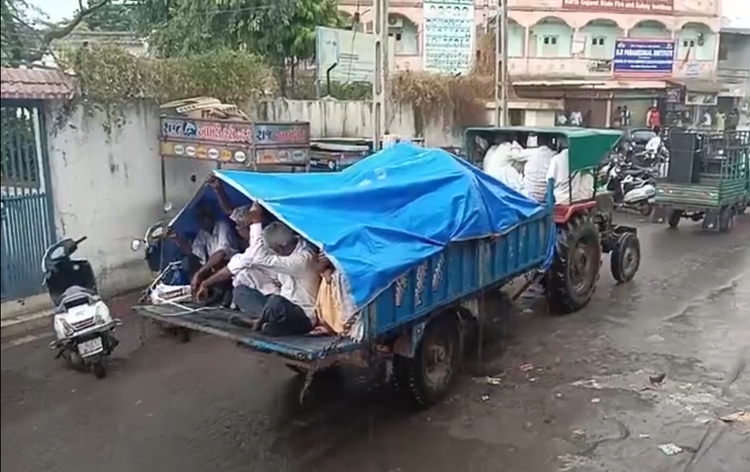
[(26, 324)]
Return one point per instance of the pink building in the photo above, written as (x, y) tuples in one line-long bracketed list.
[(566, 48)]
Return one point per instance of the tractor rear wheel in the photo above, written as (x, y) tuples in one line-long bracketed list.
[(572, 279)]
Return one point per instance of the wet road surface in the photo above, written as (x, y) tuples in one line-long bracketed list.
[(574, 392)]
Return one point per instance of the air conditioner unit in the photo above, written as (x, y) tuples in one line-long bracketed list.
[(395, 22)]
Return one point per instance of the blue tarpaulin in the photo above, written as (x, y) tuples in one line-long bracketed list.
[(383, 215)]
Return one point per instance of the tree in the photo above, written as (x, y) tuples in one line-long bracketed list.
[(276, 29), (22, 42), (116, 16)]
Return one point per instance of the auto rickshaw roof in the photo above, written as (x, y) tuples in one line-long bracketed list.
[(587, 147)]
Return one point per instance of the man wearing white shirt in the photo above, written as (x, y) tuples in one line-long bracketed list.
[(498, 163), (579, 187), (535, 170), (287, 257), (249, 226), (210, 250)]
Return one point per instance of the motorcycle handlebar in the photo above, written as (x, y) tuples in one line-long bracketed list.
[(79, 241)]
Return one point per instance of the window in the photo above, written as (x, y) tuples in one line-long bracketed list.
[(688, 43), (368, 27), (723, 51), (550, 46), (598, 49)]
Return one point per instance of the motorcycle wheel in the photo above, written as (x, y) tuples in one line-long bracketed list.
[(74, 360), (99, 369)]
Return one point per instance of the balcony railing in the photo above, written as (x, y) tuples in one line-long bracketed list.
[(734, 74)]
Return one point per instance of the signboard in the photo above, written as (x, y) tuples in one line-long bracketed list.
[(644, 57), (207, 131), (621, 6), (290, 157), (347, 56), (674, 95), (282, 134), (448, 36), (239, 142), (219, 153), (702, 99)]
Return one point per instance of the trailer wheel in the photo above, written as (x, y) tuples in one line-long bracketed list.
[(428, 376), (625, 258), (572, 279), (726, 219), (674, 218)]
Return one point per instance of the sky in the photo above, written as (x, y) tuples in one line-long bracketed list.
[(738, 11)]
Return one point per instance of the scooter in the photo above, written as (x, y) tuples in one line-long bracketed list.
[(632, 191), (83, 323)]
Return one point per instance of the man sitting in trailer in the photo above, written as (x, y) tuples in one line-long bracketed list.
[(575, 188), (212, 247), (536, 168), (285, 256), (500, 159)]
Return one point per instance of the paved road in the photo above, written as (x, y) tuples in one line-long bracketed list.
[(587, 405)]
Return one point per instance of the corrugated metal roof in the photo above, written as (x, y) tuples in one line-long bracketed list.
[(35, 84)]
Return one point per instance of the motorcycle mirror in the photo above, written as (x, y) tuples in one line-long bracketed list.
[(135, 244), (167, 207)]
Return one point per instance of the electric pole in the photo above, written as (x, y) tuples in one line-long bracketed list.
[(501, 64), (380, 79)]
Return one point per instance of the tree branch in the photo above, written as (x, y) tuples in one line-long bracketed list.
[(60, 33)]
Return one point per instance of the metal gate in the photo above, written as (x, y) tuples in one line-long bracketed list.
[(26, 209)]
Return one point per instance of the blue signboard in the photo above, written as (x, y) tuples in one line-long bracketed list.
[(640, 56)]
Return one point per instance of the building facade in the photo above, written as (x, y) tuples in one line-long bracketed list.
[(578, 50), (733, 66)]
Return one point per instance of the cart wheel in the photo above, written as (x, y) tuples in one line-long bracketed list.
[(571, 281), (645, 209), (625, 258), (99, 369), (674, 218), (743, 208), (428, 376), (726, 219)]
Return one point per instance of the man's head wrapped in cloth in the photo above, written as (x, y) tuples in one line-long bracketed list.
[(241, 218)]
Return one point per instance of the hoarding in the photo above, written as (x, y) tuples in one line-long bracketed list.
[(653, 7), (644, 57), (346, 56), (449, 31), (235, 141)]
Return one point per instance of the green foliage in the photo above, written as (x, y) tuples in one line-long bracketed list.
[(115, 17), (16, 37), (109, 76), (24, 43), (274, 29)]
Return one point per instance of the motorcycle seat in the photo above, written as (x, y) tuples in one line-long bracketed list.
[(74, 296)]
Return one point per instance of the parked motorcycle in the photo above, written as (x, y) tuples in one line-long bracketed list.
[(632, 188), (83, 323)]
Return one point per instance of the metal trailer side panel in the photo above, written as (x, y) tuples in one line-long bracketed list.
[(460, 270), (716, 195)]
